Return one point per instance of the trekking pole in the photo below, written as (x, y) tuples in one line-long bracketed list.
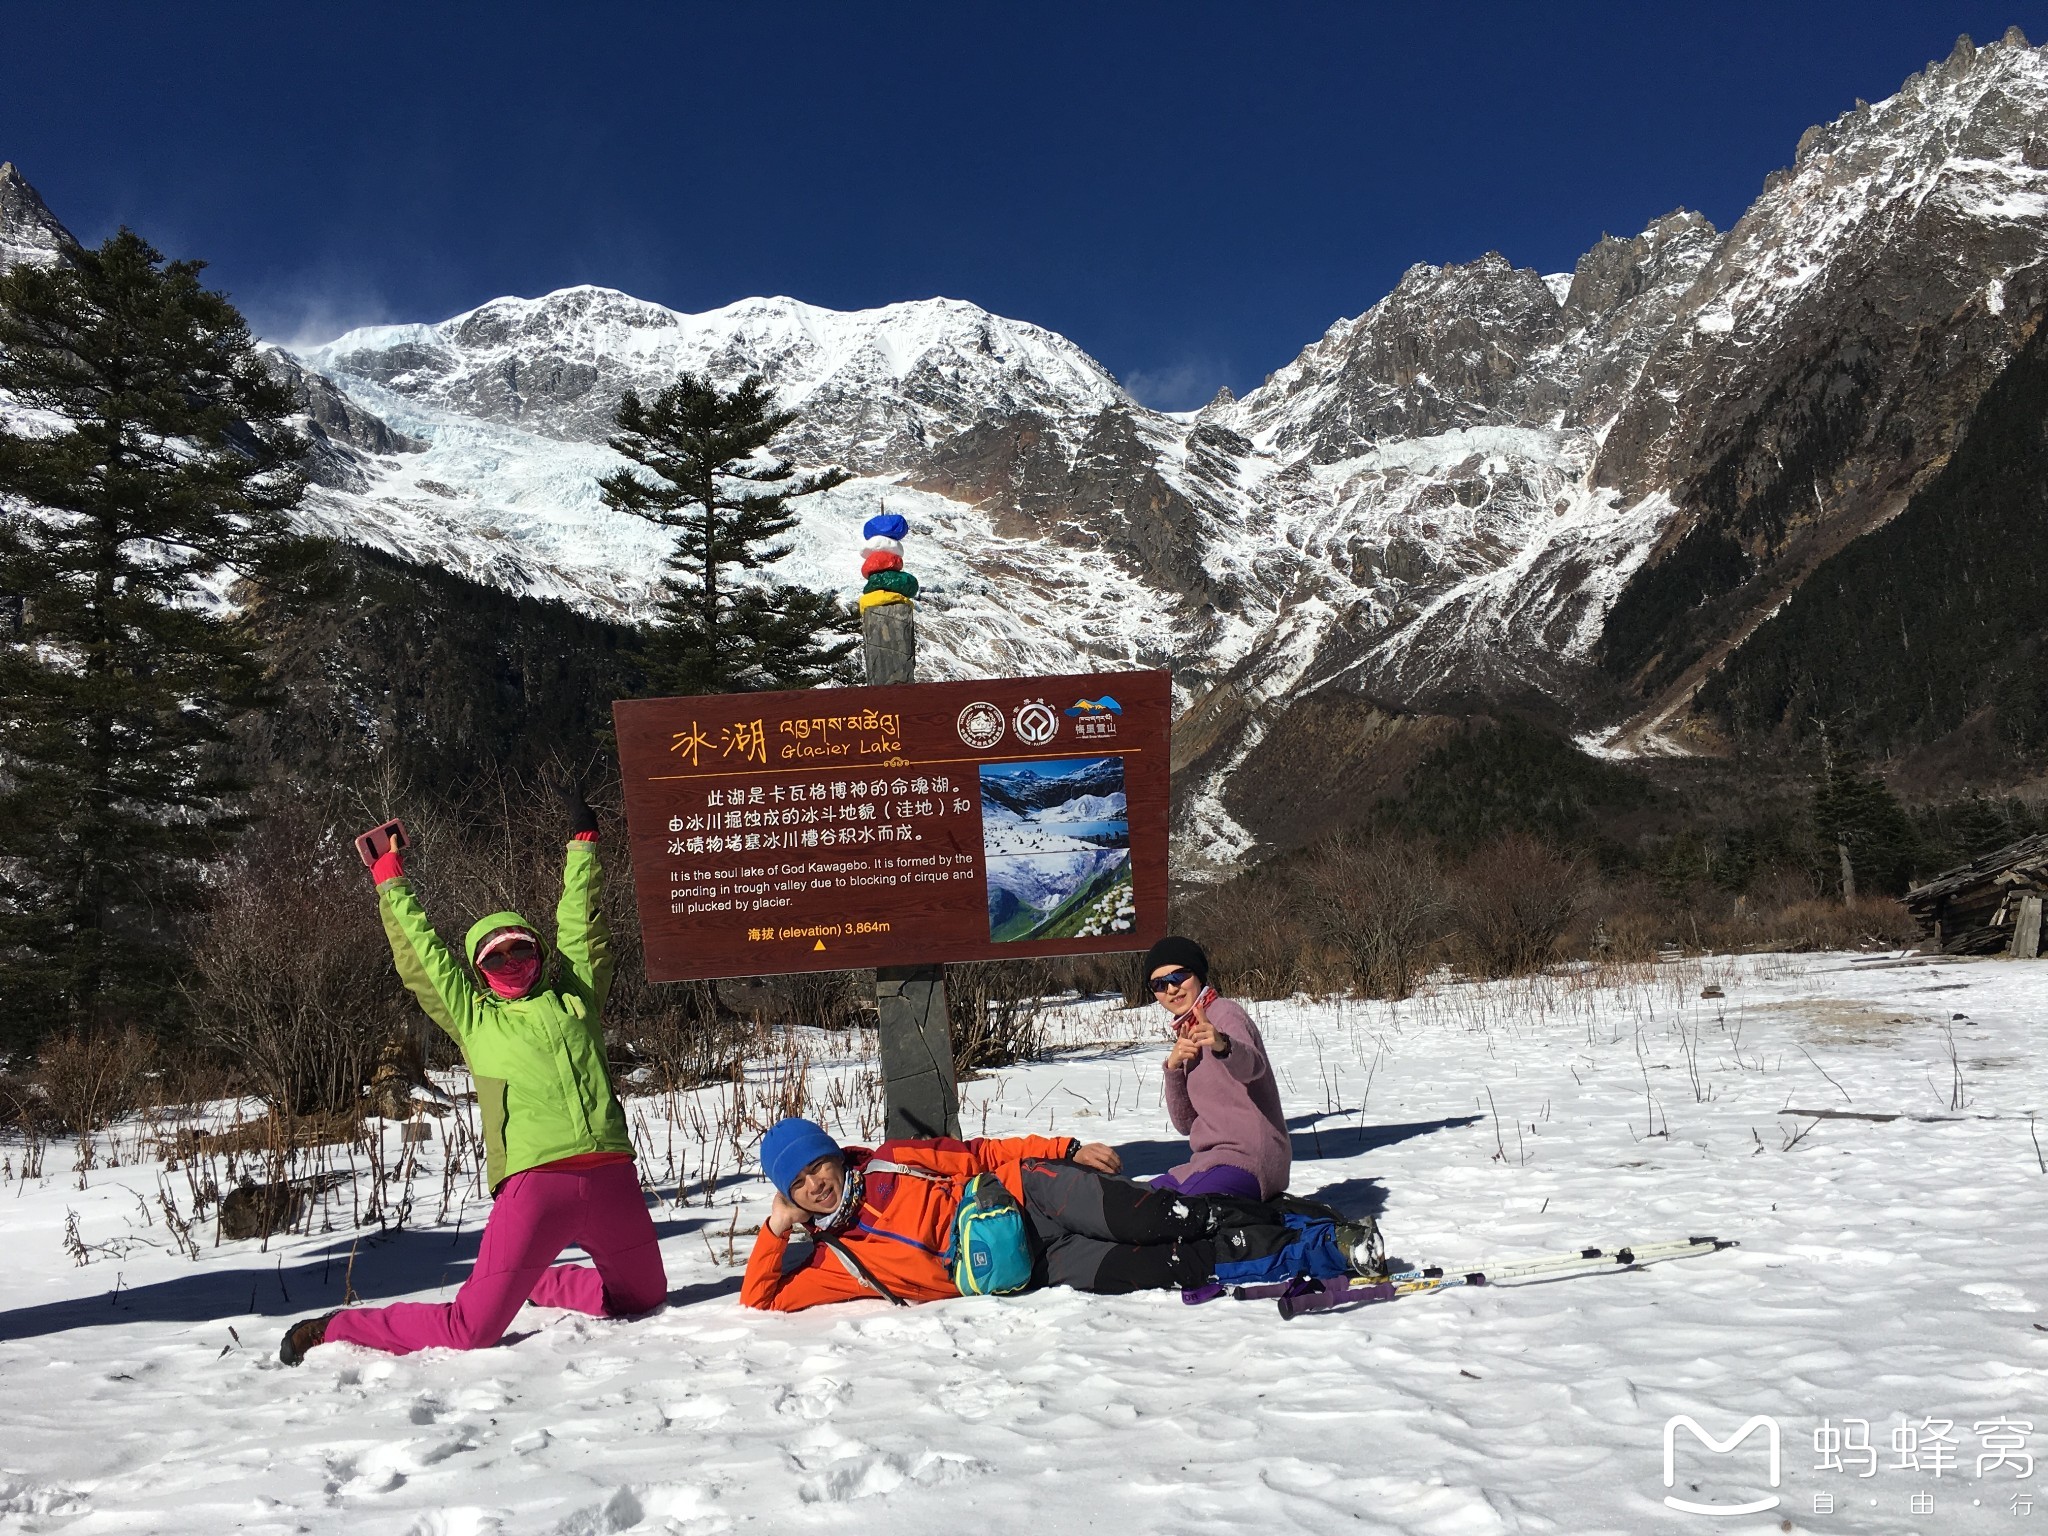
[(1302, 1296)]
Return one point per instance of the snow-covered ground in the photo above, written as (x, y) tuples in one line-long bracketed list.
[(1890, 1272)]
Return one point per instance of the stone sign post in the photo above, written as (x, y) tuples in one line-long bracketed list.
[(919, 1091)]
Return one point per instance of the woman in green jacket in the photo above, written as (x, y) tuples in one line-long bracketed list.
[(559, 1160)]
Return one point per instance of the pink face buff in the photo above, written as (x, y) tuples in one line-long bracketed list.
[(510, 963), (513, 977)]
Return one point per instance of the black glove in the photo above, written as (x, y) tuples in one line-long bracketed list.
[(569, 790)]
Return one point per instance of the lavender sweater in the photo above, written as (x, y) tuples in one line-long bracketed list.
[(1229, 1108)]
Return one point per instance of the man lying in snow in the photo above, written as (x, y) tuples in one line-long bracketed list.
[(916, 1220)]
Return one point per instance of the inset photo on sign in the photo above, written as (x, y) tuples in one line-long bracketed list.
[(1056, 843)]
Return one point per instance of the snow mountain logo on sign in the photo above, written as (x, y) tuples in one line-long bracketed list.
[(1720, 1448), (1094, 717)]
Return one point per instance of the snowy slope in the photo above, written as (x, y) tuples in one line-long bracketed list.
[(1087, 808), (1946, 180), (1042, 869), (1889, 1272)]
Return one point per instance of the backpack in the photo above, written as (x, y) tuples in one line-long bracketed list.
[(989, 1252)]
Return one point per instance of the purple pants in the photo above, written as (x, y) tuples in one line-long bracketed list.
[(1217, 1179), (538, 1213)]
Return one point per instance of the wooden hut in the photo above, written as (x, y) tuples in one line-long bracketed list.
[(1989, 906)]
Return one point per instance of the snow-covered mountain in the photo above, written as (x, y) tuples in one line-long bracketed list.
[(1098, 781), (1576, 492), (1086, 808), (29, 232), (506, 409), (874, 389)]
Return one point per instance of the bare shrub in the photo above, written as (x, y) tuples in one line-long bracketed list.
[(87, 1081), (1514, 900), (818, 1000), (993, 1008), (686, 1044), (1628, 922), (1381, 903), (1879, 923), (23, 1109), (292, 977), (1256, 935)]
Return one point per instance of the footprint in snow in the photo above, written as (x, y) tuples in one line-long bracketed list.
[(698, 1412), (814, 1400), (596, 1367), (663, 1506), (22, 1495), (885, 1472), (382, 1467), (486, 1397), (462, 1520), (1999, 1297)]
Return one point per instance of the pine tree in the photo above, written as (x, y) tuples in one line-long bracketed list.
[(149, 471), (704, 473), (1866, 839)]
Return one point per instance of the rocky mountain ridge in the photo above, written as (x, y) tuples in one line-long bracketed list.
[(29, 232), (1573, 494)]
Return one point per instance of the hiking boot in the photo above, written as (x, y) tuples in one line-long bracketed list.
[(302, 1336), (1360, 1243)]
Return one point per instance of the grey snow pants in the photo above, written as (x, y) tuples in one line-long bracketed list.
[(1111, 1235)]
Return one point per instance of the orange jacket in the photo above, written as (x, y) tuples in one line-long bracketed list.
[(904, 1224)]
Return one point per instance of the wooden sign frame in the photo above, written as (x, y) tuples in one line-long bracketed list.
[(915, 824)]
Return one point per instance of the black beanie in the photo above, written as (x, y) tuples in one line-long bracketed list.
[(1175, 950)]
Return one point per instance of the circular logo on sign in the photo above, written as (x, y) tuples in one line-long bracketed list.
[(981, 725), (1036, 723)]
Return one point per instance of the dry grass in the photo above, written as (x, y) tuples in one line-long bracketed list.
[(268, 1133), (87, 1081), (1357, 917)]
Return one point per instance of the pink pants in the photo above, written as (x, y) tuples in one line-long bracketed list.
[(538, 1213)]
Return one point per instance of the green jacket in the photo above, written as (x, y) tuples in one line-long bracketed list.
[(539, 1062)]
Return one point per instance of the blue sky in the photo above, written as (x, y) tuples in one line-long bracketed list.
[(1190, 191)]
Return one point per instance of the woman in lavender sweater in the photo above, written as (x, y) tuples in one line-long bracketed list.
[(1220, 1091)]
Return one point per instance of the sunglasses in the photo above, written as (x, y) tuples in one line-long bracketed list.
[(1171, 979), (511, 957)]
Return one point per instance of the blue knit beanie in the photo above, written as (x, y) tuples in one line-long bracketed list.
[(791, 1146)]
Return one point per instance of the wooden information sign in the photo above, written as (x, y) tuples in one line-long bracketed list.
[(908, 825)]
